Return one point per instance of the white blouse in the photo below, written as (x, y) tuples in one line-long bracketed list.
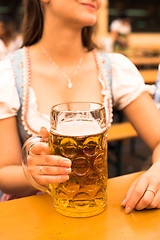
[(127, 85), (13, 45)]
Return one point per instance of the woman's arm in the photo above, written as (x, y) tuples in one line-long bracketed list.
[(12, 178), (145, 117)]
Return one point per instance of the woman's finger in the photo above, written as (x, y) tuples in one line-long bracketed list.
[(48, 170), (129, 193), (137, 193), (48, 160), (156, 201), (47, 179), (44, 133), (146, 199), (39, 148)]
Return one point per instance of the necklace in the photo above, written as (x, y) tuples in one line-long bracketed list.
[(74, 73)]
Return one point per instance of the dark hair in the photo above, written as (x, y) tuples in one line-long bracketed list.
[(33, 22)]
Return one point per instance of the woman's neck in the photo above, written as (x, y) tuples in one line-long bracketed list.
[(62, 41)]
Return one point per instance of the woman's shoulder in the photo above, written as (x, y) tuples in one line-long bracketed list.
[(9, 99), (113, 55), (121, 61), (116, 59), (127, 82), (8, 67)]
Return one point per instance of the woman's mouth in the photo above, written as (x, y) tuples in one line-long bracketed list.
[(90, 6)]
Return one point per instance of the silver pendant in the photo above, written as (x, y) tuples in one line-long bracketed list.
[(69, 83)]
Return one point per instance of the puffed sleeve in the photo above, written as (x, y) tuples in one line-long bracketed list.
[(9, 99), (127, 82)]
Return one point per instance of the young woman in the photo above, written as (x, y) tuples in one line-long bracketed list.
[(58, 63)]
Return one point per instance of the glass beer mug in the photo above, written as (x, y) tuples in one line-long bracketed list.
[(78, 132)]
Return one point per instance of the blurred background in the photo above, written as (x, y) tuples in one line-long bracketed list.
[(144, 15), (144, 19), (13, 9)]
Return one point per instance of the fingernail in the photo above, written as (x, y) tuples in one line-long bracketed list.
[(66, 178), (127, 210), (123, 203), (68, 162), (67, 170)]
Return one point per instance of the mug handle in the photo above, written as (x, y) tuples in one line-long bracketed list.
[(25, 152)]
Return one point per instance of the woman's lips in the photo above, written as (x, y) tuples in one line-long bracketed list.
[(89, 6)]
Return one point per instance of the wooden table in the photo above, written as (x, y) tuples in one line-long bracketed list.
[(34, 218)]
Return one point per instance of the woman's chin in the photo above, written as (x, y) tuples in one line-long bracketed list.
[(90, 21)]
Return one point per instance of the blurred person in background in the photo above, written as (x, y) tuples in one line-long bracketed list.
[(120, 29), (10, 39)]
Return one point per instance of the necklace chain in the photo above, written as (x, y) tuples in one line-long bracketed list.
[(74, 73)]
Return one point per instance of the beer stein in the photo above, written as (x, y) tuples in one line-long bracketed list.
[(79, 132)]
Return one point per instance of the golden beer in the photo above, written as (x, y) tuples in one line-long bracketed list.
[(85, 144)]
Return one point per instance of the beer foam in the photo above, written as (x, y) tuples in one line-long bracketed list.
[(78, 128)]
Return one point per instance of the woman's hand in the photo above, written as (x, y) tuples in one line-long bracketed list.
[(44, 167), (144, 193)]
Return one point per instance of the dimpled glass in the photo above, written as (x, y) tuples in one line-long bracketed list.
[(79, 132)]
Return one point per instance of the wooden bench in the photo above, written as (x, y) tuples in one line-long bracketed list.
[(145, 60), (119, 132), (149, 75), (145, 42)]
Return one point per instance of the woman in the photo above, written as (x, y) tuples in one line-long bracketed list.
[(58, 60)]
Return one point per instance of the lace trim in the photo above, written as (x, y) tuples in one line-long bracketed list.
[(102, 78), (27, 84), (106, 89)]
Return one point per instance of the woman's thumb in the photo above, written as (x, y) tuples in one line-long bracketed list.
[(44, 133)]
